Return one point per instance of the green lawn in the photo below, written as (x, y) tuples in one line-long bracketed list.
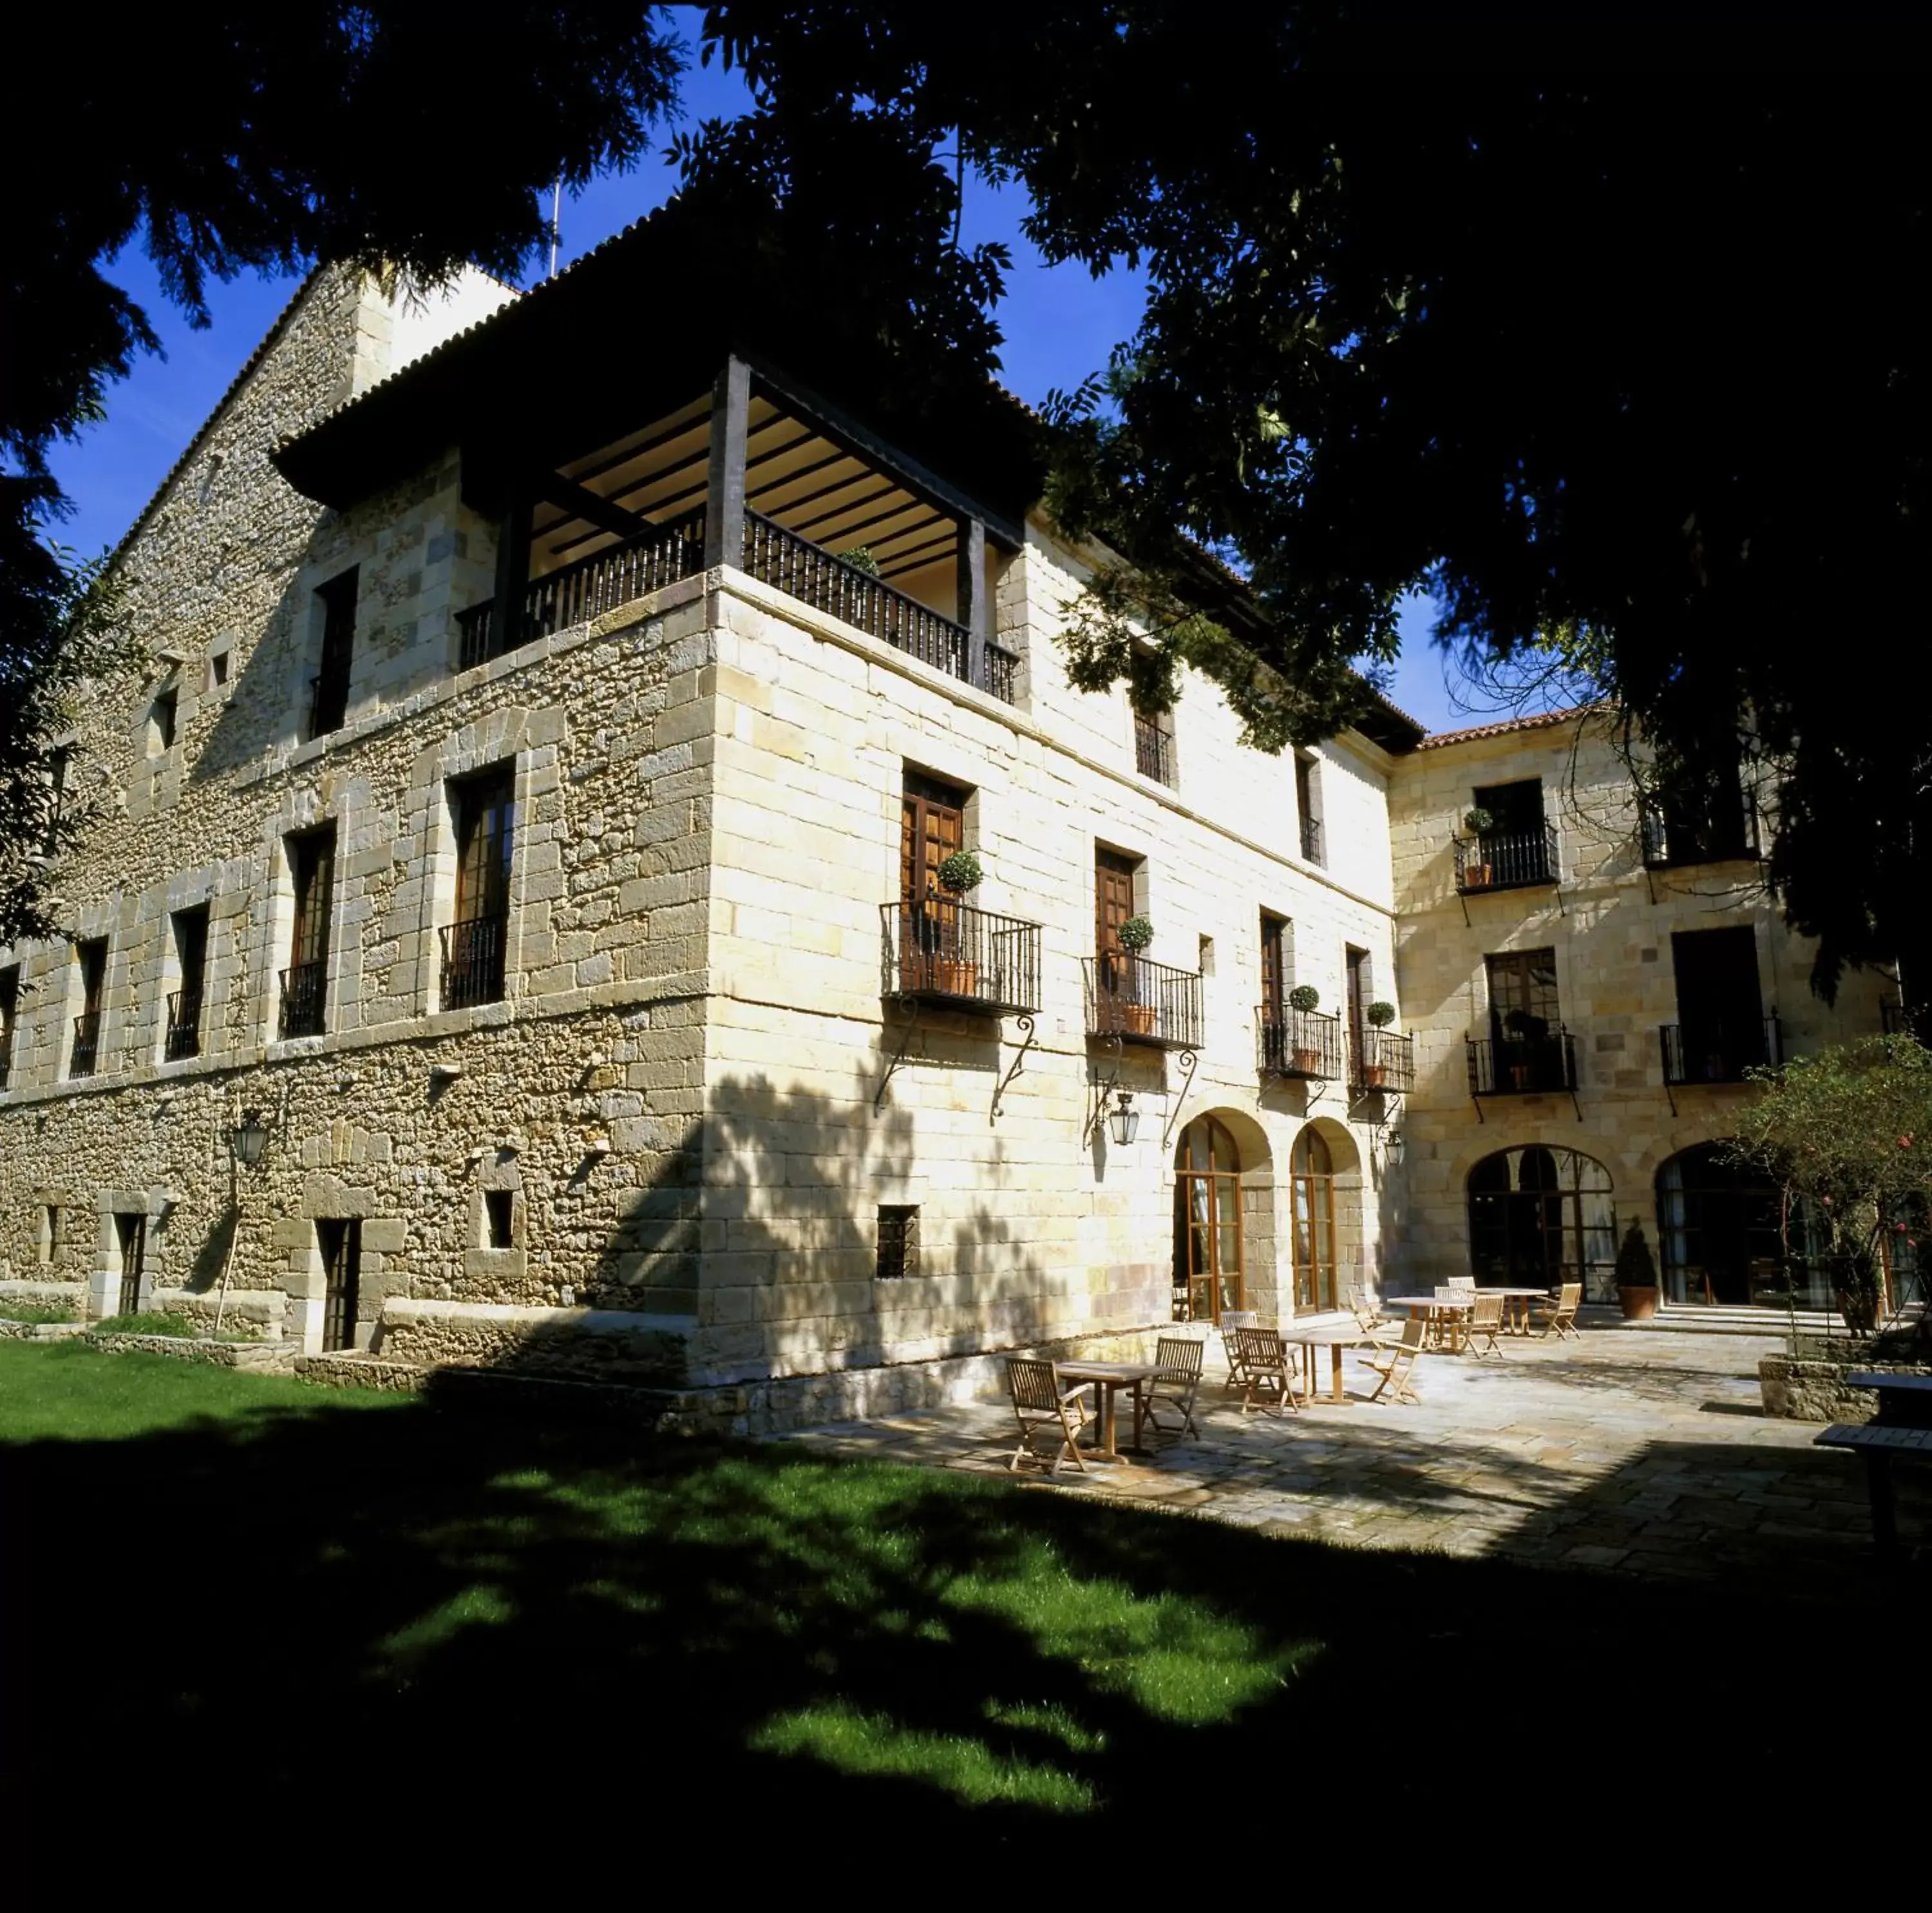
[(375, 1623)]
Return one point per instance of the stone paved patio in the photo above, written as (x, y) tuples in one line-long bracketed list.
[(1636, 1450)]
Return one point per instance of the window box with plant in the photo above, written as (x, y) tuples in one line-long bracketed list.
[(1304, 999), (955, 970), (1136, 934), (1375, 1069), (1476, 869)]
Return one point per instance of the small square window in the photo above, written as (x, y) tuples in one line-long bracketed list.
[(161, 723), (217, 670), (52, 1233), (499, 1214), (898, 1241)]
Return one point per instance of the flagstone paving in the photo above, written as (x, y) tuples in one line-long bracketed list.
[(1638, 1450)]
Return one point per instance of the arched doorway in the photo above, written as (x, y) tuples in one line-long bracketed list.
[(1539, 1216), (1210, 1268), (1726, 1239)]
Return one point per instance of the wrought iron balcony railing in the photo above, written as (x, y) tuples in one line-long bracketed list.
[(815, 577), (472, 961), (943, 952), (1312, 850), (304, 998), (1300, 1042), (1141, 1002), (663, 554), (1713, 840), (183, 1032), (1523, 1065), (1721, 1049), (86, 1044), (659, 555), (1153, 749), (1381, 1059), (1506, 860)]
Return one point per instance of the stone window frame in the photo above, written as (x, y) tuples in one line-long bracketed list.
[(498, 1171), (300, 813), (220, 658), (97, 925), (502, 737), (199, 890), (104, 1279), (162, 733), (307, 619), (325, 1198)]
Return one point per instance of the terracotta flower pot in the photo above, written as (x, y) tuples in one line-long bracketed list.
[(1475, 876), (954, 978), (1374, 1075), (1638, 1305), (1306, 1062), (1138, 1018)]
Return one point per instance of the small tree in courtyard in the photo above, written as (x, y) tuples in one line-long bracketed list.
[(1850, 1131)]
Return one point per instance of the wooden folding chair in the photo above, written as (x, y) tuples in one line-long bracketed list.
[(1178, 1359), (1486, 1324), (1561, 1315), (1040, 1403), (1269, 1369), (1361, 1305), (1395, 1384), (1230, 1320)]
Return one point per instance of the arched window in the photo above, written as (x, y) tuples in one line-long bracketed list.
[(1539, 1216), (1312, 1168), (1208, 1249), (1728, 1238)]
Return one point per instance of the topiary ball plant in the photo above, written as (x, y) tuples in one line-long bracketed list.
[(1478, 822), (1136, 933), (961, 873), (1380, 1015), (1304, 997), (860, 559)]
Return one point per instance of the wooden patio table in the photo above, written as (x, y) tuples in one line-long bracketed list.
[(1334, 1337), (1904, 1401), (1108, 1379), (1516, 1305), (1435, 1308)]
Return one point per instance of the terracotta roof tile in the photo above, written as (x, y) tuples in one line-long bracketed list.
[(1543, 720)]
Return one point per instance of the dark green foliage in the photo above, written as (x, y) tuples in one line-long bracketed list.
[(1614, 338), (36, 1311), (1636, 1267), (1304, 997), (961, 873)]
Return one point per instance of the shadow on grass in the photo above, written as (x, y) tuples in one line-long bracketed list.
[(427, 1637)]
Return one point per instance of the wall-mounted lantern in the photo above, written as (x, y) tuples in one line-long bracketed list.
[(249, 1138), (1123, 1120)]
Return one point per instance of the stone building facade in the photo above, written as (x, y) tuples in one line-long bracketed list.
[(689, 1098), (1589, 983), (512, 940)]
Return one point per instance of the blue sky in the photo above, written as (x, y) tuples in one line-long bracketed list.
[(1059, 325)]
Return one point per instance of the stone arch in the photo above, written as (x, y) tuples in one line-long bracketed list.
[(1325, 1231), (1253, 1193), (1540, 1214)]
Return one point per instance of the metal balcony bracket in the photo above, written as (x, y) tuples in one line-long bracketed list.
[(1013, 1068), (1574, 1104), (1462, 898), (1189, 1061), (1650, 881), (1556, 884), (898, 1056), (1105, 1089), (1670, 1095), (1477, 1101)]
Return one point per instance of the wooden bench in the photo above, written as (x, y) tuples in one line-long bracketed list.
[(1878, 1448)]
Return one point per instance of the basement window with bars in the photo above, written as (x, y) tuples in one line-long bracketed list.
[(898, 1241)]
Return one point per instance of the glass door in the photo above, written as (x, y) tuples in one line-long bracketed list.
[(1313, 1170), (1209, 1275)]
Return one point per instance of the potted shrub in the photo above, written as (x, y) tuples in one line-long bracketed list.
[(1136, 934), (1526, 1031), (1304, 998), (1636, 1275), (1375, 1071), (1480, 824), (954, 974), (860, 558)]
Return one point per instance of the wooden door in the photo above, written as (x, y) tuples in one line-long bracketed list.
[(133, 1231), (1313, 1169), (1210, 1272), (314, 859), (485, 835), (1358, 997), (1274, 968), (1719, 1010), (932, 826), (340, 1243)]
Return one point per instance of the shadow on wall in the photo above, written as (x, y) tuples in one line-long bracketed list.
[(861, 1658), (797, 1202)]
